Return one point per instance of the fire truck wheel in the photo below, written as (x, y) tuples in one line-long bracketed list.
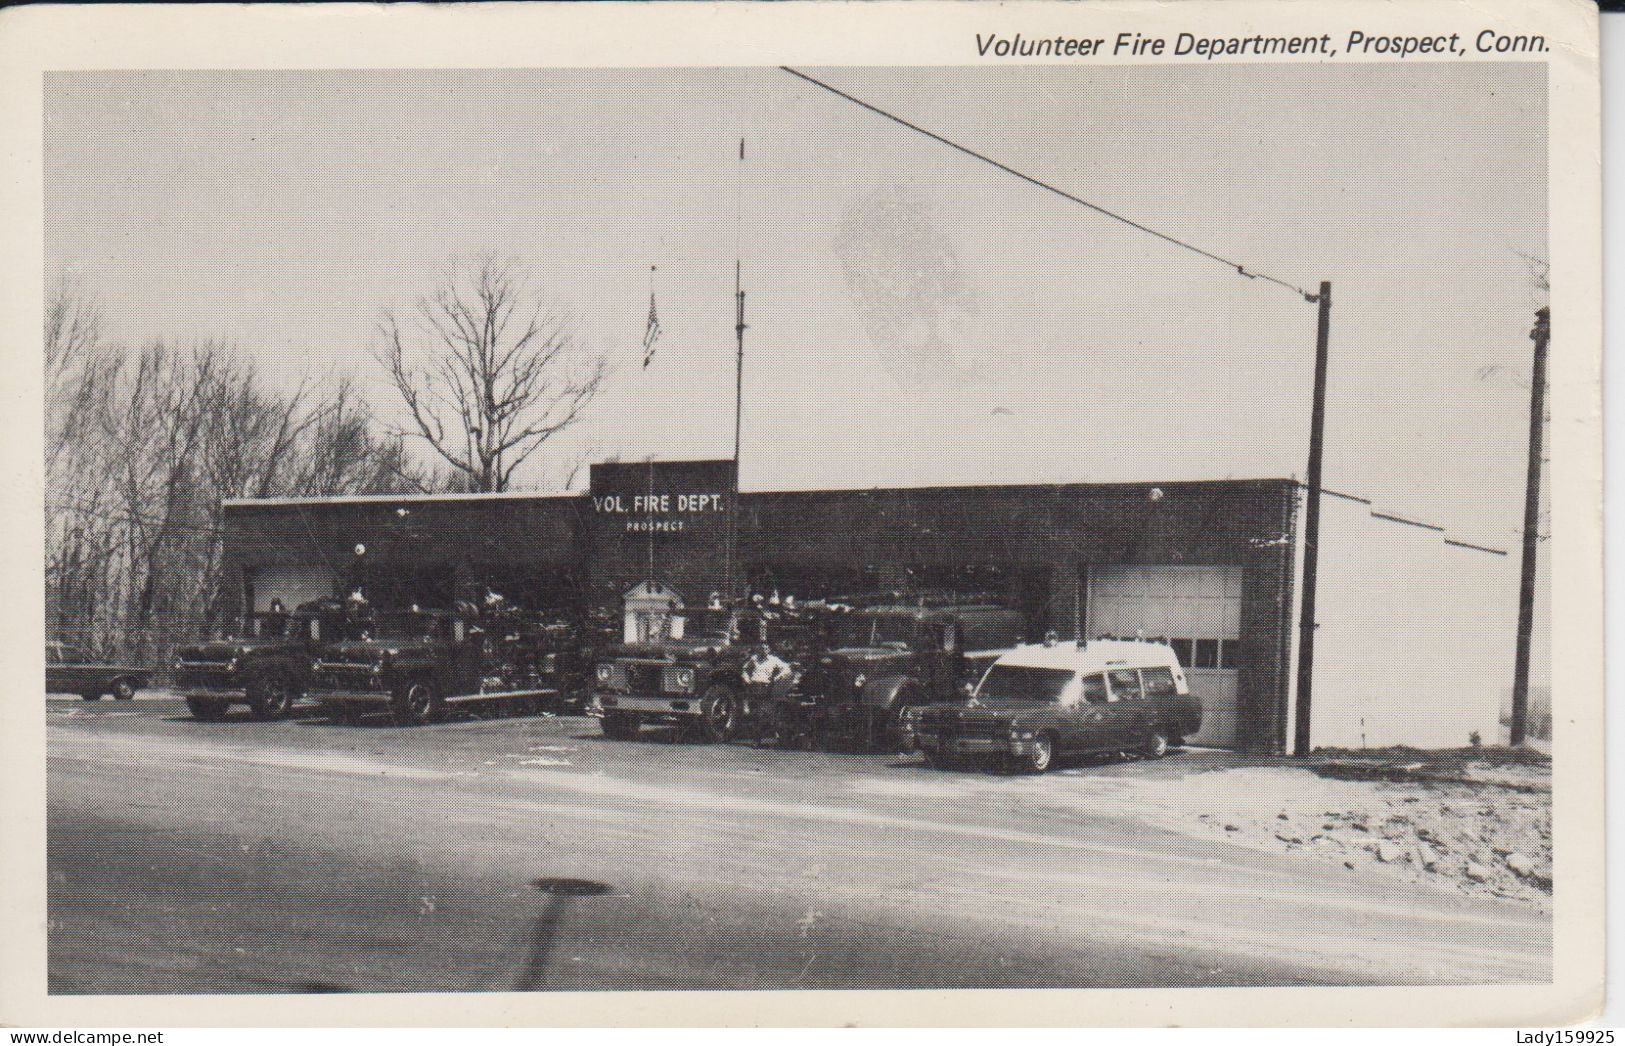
[(1156, 745), (416, 703), (205, 710), (270, 697), (719, 714), (895, 722), (123, 689), (621, 727)]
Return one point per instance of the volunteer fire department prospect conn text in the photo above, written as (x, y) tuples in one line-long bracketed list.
[(1360, 43)]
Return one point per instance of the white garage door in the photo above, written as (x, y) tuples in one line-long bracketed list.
[(1198, 610), (291, 584)]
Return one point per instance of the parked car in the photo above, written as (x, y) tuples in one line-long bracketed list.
[(413, 663), (881, 661), (1041, 702), (692, 676), (70, 670), (264, 663)]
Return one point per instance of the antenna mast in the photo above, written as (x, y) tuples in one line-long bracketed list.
[(739, 365)]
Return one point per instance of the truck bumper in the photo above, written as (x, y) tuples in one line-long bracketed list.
[(667, 706), (372, 697), (201, 693)]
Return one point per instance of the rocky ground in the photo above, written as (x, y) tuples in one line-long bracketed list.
[(1478, 820)]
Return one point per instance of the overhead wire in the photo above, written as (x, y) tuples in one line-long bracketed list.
[(1240, 269)]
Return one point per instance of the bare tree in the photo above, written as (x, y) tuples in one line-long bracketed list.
[(485, 373), (155, 439), (73, 342)]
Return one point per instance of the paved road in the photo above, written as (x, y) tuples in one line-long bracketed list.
[(307, 856)]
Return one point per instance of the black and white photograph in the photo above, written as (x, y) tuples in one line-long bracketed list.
[(1074, 514)]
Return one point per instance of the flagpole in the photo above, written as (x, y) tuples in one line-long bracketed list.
[(739, 359)]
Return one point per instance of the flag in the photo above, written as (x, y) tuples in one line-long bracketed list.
[(651, 334)]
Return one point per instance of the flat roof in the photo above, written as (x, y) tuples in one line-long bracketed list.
[(363, 499), (533, 495)]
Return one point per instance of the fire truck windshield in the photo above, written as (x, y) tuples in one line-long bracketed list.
[(876, 630)]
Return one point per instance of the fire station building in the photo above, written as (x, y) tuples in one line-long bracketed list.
[(1410, 646)]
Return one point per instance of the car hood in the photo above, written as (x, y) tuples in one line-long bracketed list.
[(977, 708)]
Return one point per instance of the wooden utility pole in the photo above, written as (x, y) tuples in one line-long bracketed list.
[(1311, 529), (1541, 336)]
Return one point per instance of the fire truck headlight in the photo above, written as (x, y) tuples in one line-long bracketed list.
[(858, 681), (605, 673), (680, 680)]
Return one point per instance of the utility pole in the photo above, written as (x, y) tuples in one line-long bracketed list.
[(1311, 530), (1541, 336)]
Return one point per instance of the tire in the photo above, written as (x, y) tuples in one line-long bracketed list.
[(90, 697), (205, 710), (894, 718), (718, 720), (621, 727), (1042, 757), (270, 697), (124, 689), (1156, 744), (415, 704)]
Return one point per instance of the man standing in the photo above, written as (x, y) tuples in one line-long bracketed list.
[(761, 671)]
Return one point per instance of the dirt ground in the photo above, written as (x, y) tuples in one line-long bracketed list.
[(1477, 820)]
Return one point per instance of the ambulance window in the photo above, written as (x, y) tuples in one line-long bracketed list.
[(1159, 682), (1125, 684), (1207, 654), (1182, 650), (1229, 653), (1094, 689)]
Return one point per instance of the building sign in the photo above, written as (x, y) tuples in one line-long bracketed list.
[(658, 513), (661, 521)]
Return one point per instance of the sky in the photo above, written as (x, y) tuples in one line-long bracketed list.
[(915, 317)]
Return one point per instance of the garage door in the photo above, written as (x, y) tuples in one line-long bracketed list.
[(1198, 610), (291, 584)]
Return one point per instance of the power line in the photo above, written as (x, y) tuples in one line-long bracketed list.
[(1006, 168)]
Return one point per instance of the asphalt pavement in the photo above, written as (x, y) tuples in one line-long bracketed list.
[(501, 852)]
